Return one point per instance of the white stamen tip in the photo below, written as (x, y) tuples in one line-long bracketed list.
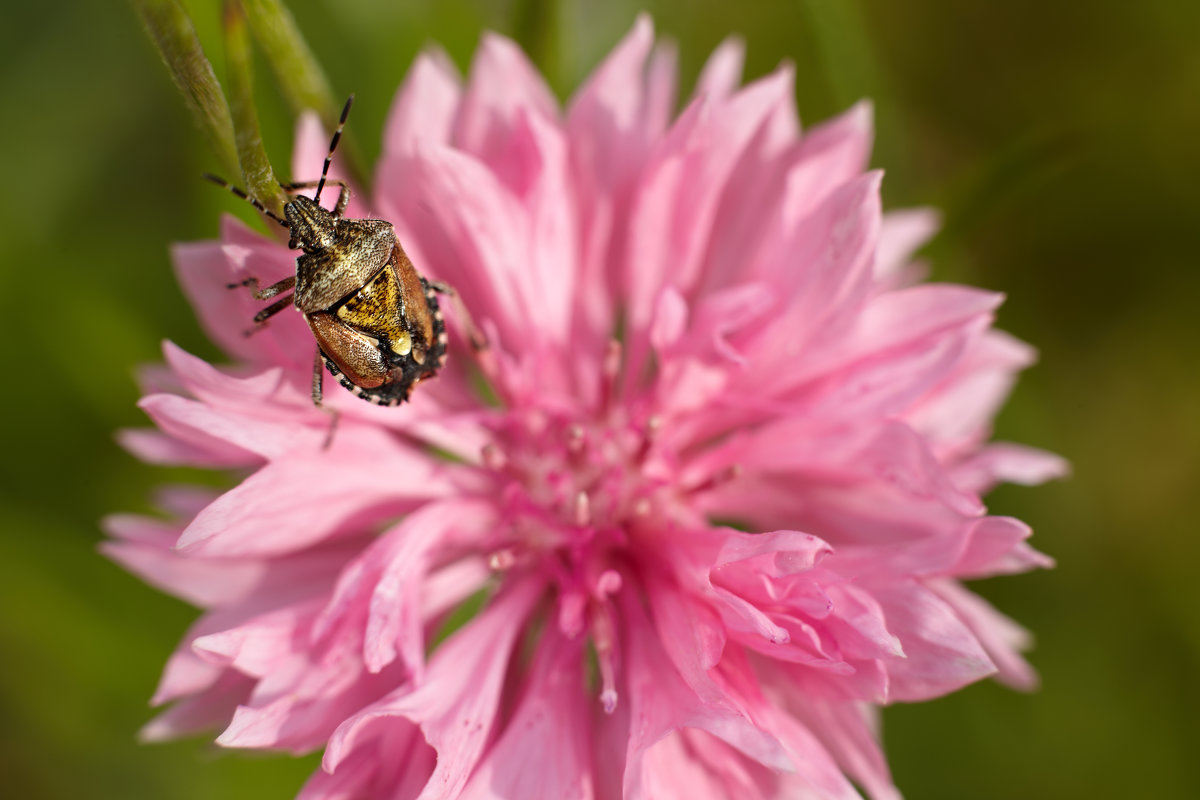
[(608, 699), (502, 559)]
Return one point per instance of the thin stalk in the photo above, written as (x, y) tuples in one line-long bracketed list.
[(257, 173), (172, 32), (296, 68)]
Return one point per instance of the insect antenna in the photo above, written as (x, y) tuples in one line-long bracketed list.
[(337, 135), (242, 194)]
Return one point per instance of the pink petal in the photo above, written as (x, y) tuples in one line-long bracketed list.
[(231, 438), (1008, 463), (261, 645), (828, 157), (501, 87), (677, 208), (477, 236), (395, 617), (205, 710), (426, 105), (822, 264), (185, 674), (155, 447), (859, 625), (201, 583), (941, 653), (962, 407), (995, 545), (554, 233), (289, 505), (659, 702), (550, 720), (723, 71), (456, 705), (205, 270), (395, 765), (1002, 638), (607, 115), (902, 233), (844, 729)]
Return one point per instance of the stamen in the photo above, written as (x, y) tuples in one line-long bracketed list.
[(502, 560), (612, 359), (571, 607), (611, 369), (493, 457), (653, 426), (603, 640), (583, 509), (609, 584), (576, 438)]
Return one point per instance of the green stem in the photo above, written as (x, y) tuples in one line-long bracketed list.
[(171, 30), (260, 179), (300, 76), (536, 24)]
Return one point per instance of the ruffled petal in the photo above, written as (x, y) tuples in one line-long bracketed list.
[(289, 505), (455, 707), (551, 718)]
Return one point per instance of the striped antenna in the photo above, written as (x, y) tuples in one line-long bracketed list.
[(337, 135), (242, 194)]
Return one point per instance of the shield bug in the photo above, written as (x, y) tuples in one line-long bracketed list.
[(377, 323)]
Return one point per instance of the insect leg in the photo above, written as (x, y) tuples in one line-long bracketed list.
[(267, 293), (318, 380), (478, 340), (273, 309)]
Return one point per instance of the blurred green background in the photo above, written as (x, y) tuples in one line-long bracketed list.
[(1061, 140)]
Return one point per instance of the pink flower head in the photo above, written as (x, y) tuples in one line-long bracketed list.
[(690, 320)]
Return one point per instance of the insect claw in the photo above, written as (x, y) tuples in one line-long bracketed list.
[(251, 282), (334, 416)]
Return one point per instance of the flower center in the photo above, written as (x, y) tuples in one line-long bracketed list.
[(571, 482), (572, 491)]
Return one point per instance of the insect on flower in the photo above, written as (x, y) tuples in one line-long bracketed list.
[(377, 322)]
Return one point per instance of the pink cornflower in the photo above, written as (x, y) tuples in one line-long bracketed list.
[(691, 321)]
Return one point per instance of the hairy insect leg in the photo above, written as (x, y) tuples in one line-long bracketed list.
[(267, 293), (343, 193), (318, 394), (260, 319), (475, 336), (273, 309)]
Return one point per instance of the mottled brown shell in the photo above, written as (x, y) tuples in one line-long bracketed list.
[(383, 338), (360, 248), (375, 319)]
